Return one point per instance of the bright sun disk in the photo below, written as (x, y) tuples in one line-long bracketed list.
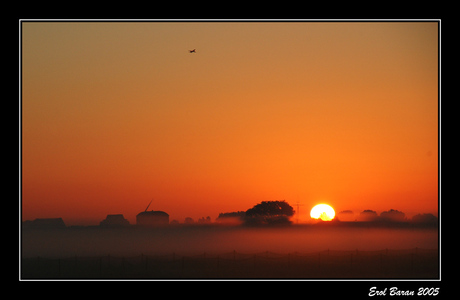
[(322, 211)]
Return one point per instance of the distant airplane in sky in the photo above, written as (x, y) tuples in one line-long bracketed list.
[(192, 51)]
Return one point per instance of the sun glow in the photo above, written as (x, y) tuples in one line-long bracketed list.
[(322, 211)]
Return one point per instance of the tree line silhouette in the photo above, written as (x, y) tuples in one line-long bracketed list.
[(279, 212), (265, 213)]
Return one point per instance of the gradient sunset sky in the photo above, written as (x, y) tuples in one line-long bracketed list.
[(115, 114)]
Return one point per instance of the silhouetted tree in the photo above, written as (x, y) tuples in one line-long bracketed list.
[(345, 215), (270, 212), (393, 216), (426, 219), (231, 217), (204, 220), (367, 216)]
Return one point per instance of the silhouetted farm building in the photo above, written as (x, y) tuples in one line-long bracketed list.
[(48, 223), (114, 221), (152, 218)]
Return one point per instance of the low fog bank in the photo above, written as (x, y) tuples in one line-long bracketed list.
[(189, 240)]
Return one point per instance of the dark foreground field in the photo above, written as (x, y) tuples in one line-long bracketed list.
[(220, 252), (413, 263)]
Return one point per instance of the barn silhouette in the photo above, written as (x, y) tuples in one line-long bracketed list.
[(152, 218)]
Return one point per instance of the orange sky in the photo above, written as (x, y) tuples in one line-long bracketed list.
[(115, 114)]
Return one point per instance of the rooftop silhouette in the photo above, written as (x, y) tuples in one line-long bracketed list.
[(114, 221)]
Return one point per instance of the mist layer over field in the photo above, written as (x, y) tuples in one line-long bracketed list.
[(189, 240)]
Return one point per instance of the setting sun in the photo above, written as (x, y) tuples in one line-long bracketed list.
[(322, 211)]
